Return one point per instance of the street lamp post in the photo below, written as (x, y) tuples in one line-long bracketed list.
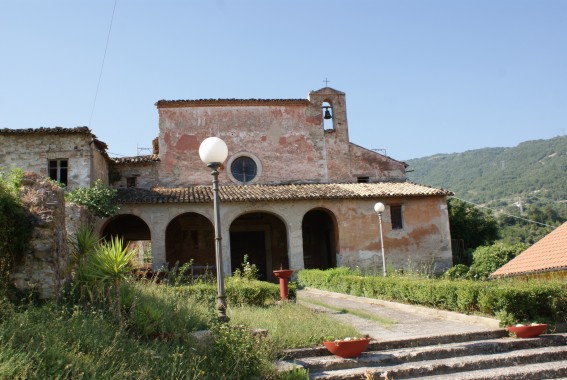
[(379, 208), (213, 152)]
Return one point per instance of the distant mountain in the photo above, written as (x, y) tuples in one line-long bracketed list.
[(533, 169)]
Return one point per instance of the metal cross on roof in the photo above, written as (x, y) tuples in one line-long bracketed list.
[(326, 82)]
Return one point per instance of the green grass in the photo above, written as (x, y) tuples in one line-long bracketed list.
[(153, 339), (292, 325), (384, 322)]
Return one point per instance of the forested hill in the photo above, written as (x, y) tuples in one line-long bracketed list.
[(533, 169)]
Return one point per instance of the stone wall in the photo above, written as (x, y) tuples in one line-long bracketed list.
[(31, 151), (45, 267)]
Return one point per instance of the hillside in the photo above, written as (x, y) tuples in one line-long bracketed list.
[(535, 170)]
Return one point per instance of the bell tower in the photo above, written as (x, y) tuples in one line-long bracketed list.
[(331, 106)]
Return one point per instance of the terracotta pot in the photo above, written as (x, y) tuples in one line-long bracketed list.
[(347, 348), (529, 331)]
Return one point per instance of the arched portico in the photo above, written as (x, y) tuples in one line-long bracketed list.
[(263, 237), (319, 239), (190, 236)]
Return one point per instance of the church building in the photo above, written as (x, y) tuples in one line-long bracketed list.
[(295, 192)]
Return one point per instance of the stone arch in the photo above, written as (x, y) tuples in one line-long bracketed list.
[(134, 231), (263, 237), (190, 236), (320, 237)]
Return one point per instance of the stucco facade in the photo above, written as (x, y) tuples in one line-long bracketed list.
[(292, 211), (424, 240), (285, 137)]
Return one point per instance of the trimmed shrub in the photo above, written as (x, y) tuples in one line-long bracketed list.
[(525, 300), (239, 292)]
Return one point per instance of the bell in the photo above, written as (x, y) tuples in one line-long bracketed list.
[(327, 114)]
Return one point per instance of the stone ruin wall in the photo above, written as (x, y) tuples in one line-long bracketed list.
[(45, 268)]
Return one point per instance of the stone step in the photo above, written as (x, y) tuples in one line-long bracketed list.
[(538, 371), (403, 343), (415, 354), (521, 362)]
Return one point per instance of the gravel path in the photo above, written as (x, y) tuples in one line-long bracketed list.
[(407, 321)]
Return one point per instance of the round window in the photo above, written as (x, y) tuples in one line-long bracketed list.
[(244, 169)]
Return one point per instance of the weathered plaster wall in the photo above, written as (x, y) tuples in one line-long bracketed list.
[(31, 152), (424, 239), (287, 138), (99, 168), (366, 163), (44, 268), (287, 144)]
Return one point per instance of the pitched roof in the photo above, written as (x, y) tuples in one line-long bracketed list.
[(136, 159), (100, 145), (230, 102), (43, 130), (250, 193), (547, 255)]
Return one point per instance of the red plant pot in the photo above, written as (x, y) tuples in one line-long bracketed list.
[(529, 331), (347, 348)]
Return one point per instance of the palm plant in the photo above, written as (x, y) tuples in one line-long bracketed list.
[(107, 267), (82, 244)]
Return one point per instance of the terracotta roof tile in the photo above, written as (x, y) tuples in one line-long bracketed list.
[(230, 102), (43, 130), (136, 159), (202, 194), (548, 254)]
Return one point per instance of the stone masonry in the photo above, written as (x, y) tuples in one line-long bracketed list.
[(45, 267)]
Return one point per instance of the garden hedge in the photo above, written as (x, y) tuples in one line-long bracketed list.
[(239, 292), (513, 300)]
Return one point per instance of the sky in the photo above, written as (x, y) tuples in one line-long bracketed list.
[(421, 77)]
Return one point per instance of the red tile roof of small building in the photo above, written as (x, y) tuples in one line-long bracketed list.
[(547, 255), (255, 193)]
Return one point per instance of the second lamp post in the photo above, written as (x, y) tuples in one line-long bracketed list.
[(379, 208)]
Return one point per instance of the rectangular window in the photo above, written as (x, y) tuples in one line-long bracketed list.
[(396, 217), (58, 170), (363, 179), (130, 181)]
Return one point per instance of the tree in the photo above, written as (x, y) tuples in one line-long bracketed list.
[(473, 226), (489, 258)]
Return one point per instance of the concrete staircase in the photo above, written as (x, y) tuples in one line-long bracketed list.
[(480, 355)]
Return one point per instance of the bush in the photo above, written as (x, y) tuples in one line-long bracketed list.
[(237, 353), (15, 223), (456, 272), (239, 292), (99, 199), (487, 259)]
